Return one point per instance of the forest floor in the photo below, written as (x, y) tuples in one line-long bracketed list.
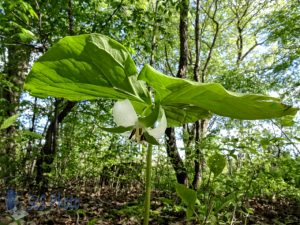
[(107, 206)]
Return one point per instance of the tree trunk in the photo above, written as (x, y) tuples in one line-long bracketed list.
[(172, 150), (173, 154), (48, 151), (15, 69), (183, 35), (197, 172), (44, 161), (201, 126), (201, 130)]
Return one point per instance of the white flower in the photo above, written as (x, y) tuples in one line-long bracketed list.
[(125, 116)]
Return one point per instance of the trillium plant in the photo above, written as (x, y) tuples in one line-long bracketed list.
[(94, 66)]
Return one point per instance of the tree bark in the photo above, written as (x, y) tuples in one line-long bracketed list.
[(201, 126), (15, 69), (183, 35), (200, 132), (48, 151), (196, 134), (172, 150), (173, 154)]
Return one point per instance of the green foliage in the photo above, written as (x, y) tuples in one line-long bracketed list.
[(281, 27), (8, 122), (72, 69), (261, 158), (86, 67), (212, 97), (216, 164), (92, 222), (188, 196), (16, 18), (286, 121)]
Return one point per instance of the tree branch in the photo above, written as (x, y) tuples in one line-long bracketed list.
[(167, 62)]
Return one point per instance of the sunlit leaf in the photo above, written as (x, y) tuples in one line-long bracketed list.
[(93, 66), (8, 122), (216, 163), (188, 196), (286, 121), (86, 67), (175, 92)]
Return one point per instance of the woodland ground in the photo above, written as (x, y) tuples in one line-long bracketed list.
[(103, 205)]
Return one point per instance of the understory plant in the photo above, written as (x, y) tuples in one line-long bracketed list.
[(94, 66)]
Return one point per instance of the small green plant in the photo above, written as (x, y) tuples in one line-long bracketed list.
[(202, 209)]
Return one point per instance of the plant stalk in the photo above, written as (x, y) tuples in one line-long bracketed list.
[(148, 185)]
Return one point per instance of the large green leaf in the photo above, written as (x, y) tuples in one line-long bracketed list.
[(93, 66), (183, 94), (188, 196), (86, 67)]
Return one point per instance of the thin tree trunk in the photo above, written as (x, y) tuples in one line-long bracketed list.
[(197, 160), (154, 37), (196, 179), (201, 130), (183, 35), (172, 150), (201, 126), (48, 151), (30, 147), (173, 154)]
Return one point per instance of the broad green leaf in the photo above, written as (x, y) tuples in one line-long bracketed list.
[(216, 163), (188, 196), (9, 121), (86, 67), (117, 129), (175, 92)]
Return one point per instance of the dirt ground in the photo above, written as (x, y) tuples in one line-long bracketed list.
[(106, 206)]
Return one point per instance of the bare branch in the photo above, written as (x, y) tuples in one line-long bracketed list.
[(251, 49), (213, 18), (167, 61), (197, 42)]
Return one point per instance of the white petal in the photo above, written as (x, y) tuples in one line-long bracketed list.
[(124, 114), (159, 131)]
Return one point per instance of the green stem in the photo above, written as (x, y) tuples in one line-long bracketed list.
[(148, 185)]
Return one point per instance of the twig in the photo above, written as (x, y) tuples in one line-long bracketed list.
[(287, 137), (167, 61)]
